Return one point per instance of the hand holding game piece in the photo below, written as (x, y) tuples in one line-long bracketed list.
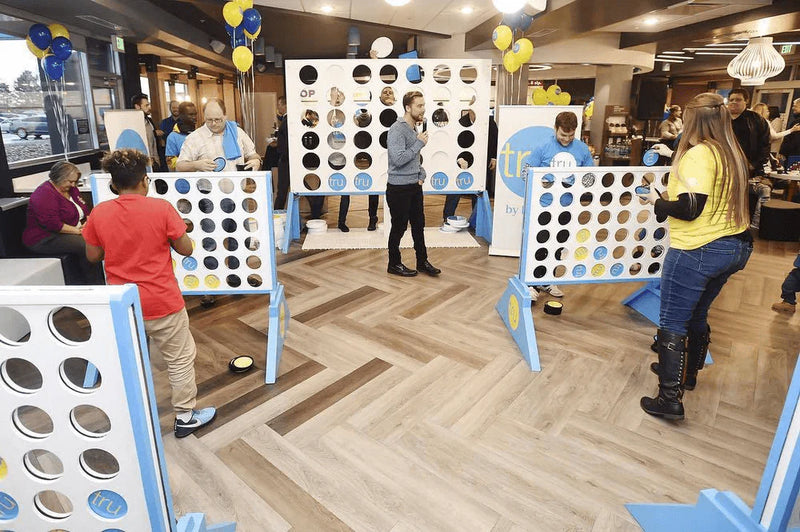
[(205, 165), (648, 194), (252, 164), (662, 149)]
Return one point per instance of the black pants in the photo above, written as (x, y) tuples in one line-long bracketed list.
[(283, 184), (58, 243), (344, 206), (451, 204), (405, 205)]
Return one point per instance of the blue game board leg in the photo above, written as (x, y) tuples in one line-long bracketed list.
[(715, 510), (276, 334), (197, 523), (292, 229), (515, 309), (483, 221)]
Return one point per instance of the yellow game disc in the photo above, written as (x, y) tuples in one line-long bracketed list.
[(583, 235), (191, 281), (3, 469), (173, 264), (581, 253), (212, 281), (598, 270)]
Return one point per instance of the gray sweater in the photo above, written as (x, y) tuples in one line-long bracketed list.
[(404, 159)]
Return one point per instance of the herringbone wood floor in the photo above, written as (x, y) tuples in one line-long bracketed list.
[(403, 404)]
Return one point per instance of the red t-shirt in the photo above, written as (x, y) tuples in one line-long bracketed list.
[(134, 231)]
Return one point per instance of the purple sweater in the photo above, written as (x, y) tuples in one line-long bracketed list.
[(48, 211)]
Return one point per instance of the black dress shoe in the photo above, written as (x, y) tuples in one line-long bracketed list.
[(343, 228), (429, 268), (372, 224), (400, 269)]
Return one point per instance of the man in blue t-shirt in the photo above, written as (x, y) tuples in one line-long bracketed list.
[(562, 150)]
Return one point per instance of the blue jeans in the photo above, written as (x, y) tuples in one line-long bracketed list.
[(791, 285), (691, 280)]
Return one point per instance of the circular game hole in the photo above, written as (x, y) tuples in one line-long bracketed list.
[(568, 181), (32, 421), (608, 180), (53, 504), (467, 157), (337, 160), (640, 234), (665, 180), (231, 244), (440, 117), (225, 185), (336, 118), (310, 140), (657, 251), (227, 205), (107, 504), (233, 281), (618, 252), (544, 218), (203, 185), (99, 464), (586, 198), (336, 140), (584, 217), (387, 96), (635, 269), (209, 244), (659, 233), (382, 138), (182, 186), (311, 182), (191, 282), (249, 205), (90, 421), (43, 464), (643, 216), (362, 96), (335, 97), (308, 75), (541, 254), (548, 180), (161, 185), (539, 272), (210, 263), (206, 206), (388, 74), (601, 235), (467, 96), (441, 73), (21, 330), (21, 375), (362, 74), (362, 118), (415, 74), (254, 280), (625, 198), (69, 325), (564, 218), (605, 198), (362, 140), (468, 74), (231, 262), (184, 206), (251, 243), (309, 118), (211, 281), (466, 139), (560, 271), (588, 180), (653, 268), (250, 225), (311, 161), (637, 252), (388, 117), (208, 225), (73, 373), (627, 180), (542, 236), (621, 235), (253, 262), (561, 254), (562, 236), (189, 225), (363, 160), (603, 217), (248, 185), (623, 216)]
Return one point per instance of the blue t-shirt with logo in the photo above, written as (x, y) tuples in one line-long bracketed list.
[(551, 153)]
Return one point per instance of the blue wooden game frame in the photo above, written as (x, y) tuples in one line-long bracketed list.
[(483, 212), (278, 311), (716, 510)]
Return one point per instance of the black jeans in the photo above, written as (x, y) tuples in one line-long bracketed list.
[(451, 203), (344, 206), (283, 184), (59, 243), (405, 205), (791, 285)]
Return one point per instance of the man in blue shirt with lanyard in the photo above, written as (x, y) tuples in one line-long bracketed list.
[(562, 150)]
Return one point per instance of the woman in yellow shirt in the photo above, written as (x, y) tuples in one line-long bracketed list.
[(709, 242)]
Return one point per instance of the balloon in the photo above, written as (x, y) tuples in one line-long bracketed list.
[(232, 13), (252, 20), (539, 96), (62, 48), (526, 22), (242, 58), (57, 30), (501, 37), (510, 62), (230, 29), (564, 98), (35, 51), (252, 36), (53, 66), (245, 4), (513, 20), (238, 40), (523, 49), (552, 92), (589, 111), (40, 36)]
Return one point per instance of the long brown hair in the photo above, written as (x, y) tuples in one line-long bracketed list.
[(707, 121)]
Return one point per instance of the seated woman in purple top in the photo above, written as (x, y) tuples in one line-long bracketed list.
[(56, 214)]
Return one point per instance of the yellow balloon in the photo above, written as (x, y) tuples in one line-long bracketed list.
[(252, 36), (523, 49), (510, 62), (242, 58), (539, 96), (245, 4), (34, 50), (232, 14), (552, 93), (589, 111), (57, 30), (564, 98), (501, 37)]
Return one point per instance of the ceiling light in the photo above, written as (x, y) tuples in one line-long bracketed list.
[(507, 6), (650, 21), (326, 9), (397, 3), (736, 50), (668, 60), (673, 52), (466, 10), (757, 62), (725, 45), (786, 43), (539, 67), (733, 54)]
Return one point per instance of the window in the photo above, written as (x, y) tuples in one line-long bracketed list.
[(145, 83), (28, 106)]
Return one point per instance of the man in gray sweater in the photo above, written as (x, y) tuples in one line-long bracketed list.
[(404, 187)]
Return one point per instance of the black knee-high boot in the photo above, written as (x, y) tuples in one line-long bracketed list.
[(696, 349), (672, 372)]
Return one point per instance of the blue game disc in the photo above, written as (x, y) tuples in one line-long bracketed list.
[(566, 199), (579, 270), (220, 162), (600, 253), (546, 200), (617, 269), (650, 158)]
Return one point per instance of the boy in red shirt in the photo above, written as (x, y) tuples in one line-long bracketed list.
[(134, 233)]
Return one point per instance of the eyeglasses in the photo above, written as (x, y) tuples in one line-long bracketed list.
[(214, 120)]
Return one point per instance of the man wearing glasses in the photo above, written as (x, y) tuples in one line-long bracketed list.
[(218, 145)]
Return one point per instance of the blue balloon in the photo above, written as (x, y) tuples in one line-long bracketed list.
[(231, 30), (40, 36), (62, 48), (238, 40), (251, 20), (526, 22), (513, 20), (53, 66)]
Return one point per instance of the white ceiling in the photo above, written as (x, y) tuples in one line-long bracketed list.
[(438, 16), (684, 14)]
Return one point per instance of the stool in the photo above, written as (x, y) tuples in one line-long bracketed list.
[(780, 220)]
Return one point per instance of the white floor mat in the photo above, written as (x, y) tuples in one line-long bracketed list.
[(360, 238)]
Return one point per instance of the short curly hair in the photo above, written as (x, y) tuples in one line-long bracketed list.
[(127, 167)]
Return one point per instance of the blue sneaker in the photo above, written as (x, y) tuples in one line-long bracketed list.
[(199, 419)]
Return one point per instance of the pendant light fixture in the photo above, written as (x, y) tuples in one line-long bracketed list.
[(757, 62), (509, 6)]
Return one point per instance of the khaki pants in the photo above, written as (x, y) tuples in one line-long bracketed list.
[(174, 339)]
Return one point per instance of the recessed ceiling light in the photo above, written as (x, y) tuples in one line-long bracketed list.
[(650, 21), (668, 60), (673, 52), (539, 67), (326, 9), (397, 3), (466, 10)]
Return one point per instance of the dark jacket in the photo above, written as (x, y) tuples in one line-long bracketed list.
[(48, 211), (283, 140), (752, 132), (791, 143)]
